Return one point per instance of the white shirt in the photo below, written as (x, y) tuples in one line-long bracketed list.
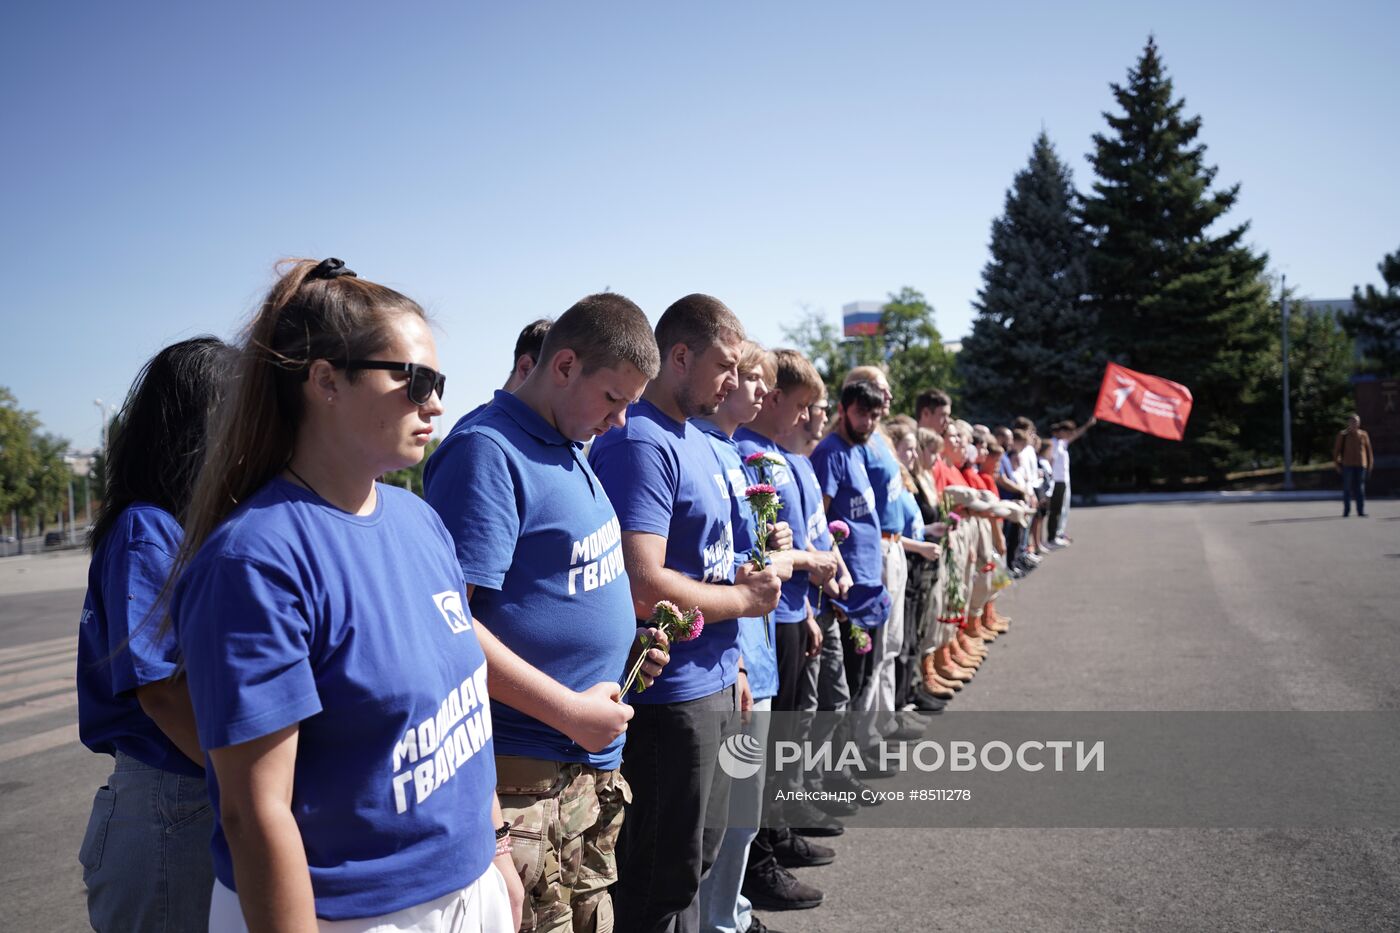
[(1027, 471), (1059, 460)]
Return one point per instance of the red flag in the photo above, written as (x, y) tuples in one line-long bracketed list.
[(1144, 403)]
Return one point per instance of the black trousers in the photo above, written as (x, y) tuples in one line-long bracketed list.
[(1057, 504), (665, 847), (918, 593), (791, 648)]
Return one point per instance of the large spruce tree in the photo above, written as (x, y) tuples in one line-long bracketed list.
[(1376, 321), (1033, 349), (1175, 296)]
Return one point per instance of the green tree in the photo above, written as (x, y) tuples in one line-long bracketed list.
[(1321, 357), (913, 349), (33, 477), (1375, 324), (51, 478), (1034, 347), (18, 460), (1172, 298)]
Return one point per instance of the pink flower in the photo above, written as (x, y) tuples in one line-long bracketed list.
[(860, 639), (761, 489), (840, 531), (693, 624)]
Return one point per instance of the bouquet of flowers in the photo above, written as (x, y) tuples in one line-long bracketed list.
[(839, 532), (954, 599), (667, 618), (860, 639)]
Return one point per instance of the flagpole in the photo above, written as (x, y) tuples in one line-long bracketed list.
[(1287, 414)]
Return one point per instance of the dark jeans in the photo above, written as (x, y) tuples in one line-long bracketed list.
[(1353, 487), (665, 847), (1057, 504), (918, 593)]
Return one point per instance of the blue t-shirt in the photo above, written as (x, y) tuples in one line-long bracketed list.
[(886, 481), (119, 645), (813, 514), (841, 473), (913, 518), (356, 627), (758, 650), (660, 475), (538, 538), (792, 607)]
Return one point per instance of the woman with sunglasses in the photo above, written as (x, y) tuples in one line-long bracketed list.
[(145, 854), (333, 665)]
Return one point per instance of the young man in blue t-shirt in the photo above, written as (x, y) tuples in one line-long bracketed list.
[(540, 550), (722, 905), (678, 545), (840, 465)]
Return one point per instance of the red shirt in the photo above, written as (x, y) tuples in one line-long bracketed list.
[(945, 475)]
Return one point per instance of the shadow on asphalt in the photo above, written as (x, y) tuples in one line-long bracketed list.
[(1289, 521)]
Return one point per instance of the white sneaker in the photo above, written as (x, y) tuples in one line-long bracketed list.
[(1062, 542)]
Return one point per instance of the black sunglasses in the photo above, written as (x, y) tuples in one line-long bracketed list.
[(422, 382)]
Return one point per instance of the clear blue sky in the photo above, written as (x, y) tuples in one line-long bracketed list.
[(498, 161)]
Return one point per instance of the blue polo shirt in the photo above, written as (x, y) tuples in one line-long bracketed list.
[(660, 475), (813, 514), (538, 538), (355, 627), (792, 607), (759, 651), (841, 473), (886, 481), (120, 645)]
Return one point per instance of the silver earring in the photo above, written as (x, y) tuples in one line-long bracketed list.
[(328, 398)]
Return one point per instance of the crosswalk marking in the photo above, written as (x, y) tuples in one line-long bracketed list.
[(53, 657), (39, 689), (38, 674), (37, 647), (37, 707), (43, 741)]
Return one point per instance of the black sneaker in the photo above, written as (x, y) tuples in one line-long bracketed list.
[(795, 851), (758, 926), (844, 781), (865, 795), (833, 806), (776, 888), (809, 821)]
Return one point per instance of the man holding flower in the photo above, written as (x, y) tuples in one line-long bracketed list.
[(678, 545)]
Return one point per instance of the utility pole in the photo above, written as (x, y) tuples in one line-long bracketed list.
[(1287, 414)]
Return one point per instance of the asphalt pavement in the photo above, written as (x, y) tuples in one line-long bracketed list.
[(1220, 606)]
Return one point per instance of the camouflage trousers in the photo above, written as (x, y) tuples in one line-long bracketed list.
[(564, 822)]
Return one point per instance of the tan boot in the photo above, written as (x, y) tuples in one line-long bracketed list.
[(933, 684)]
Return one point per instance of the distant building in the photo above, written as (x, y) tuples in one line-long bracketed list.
[(861, 318)]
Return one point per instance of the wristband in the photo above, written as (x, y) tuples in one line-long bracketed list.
[(502, 831), (503, 845)]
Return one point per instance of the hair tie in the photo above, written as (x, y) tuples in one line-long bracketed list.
[(330, 269)]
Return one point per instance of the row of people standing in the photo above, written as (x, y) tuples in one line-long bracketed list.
[(373, 711)]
